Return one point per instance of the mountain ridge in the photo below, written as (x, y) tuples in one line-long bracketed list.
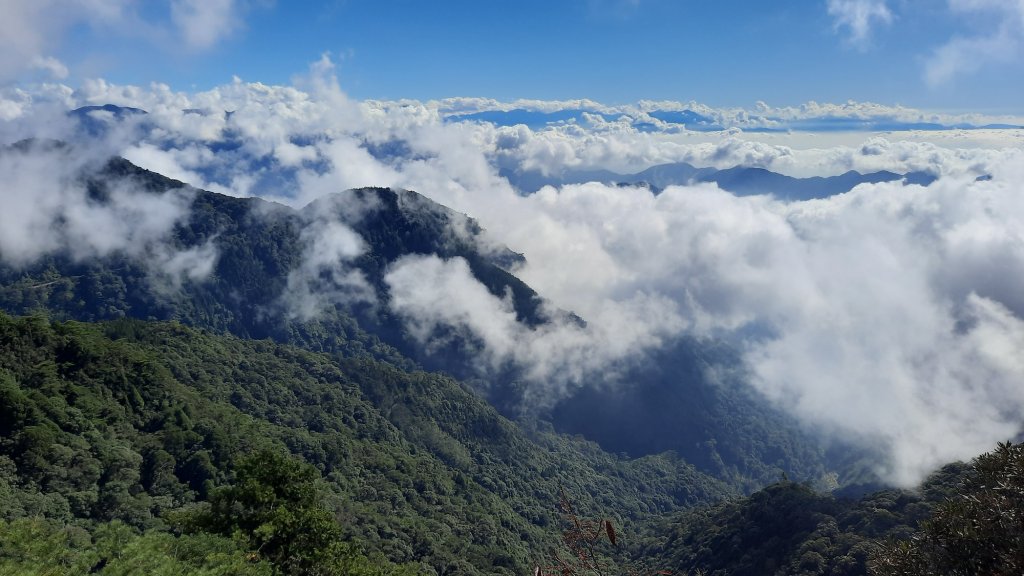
[(739, 180)]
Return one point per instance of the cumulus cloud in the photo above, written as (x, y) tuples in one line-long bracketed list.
[(433, 294), (40, 113), (859, 17), (161, 161), (556, 150), (54, 67), (298, 144), (441, 299), (275, 141), (891, 339), (887, 314), (962, 55), (201, 23)]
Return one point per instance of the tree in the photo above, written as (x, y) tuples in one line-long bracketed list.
[(580, 540), (274, 505), (979, 531)]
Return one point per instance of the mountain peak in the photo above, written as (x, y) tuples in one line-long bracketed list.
[(400, 221)]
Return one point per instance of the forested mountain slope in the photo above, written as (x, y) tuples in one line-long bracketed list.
[(963, 519), (130, 421), (788, 528)]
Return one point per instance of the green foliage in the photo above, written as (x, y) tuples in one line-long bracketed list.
[(37, 547), (130, 421), (978, 531), (790, 529), (275, 507)]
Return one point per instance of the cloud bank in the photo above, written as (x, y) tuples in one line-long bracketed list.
[(888, 314)]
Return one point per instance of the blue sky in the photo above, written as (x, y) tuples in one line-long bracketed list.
[(728, 53)]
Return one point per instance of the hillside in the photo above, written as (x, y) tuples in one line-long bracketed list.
[(130, 421), (788, 528), (123, 441), (965, 518)]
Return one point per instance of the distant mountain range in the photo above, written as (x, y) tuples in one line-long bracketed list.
[(95, 121), (670, 121), (740, 180)]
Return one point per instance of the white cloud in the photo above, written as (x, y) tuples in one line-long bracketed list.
[(31, 30), (904, 324), (859, 17), (326, 276), (892, 310), (888, 314), (307, 130), (165, 162), (352, 167), (169, 268), (48, 209), (432, 293), (36, 113), (963, 55), (202, 23), (55, 68), (435, 296)]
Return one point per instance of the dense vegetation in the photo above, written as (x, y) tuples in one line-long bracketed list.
[(980, 530), (40, 547), (130, 421), (963, 520), (131, 443), (789, 528), (270, 521)]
